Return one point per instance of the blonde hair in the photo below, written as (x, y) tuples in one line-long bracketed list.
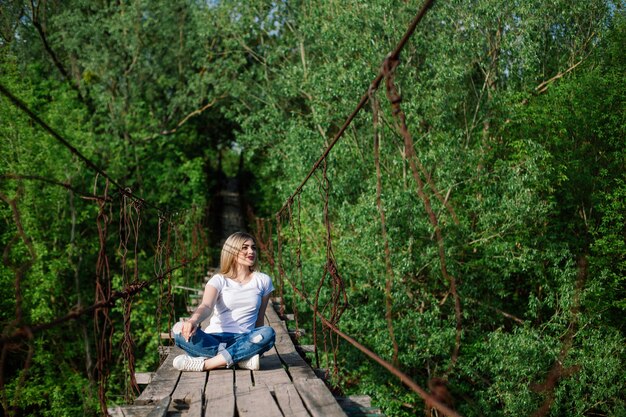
[(230, 250)]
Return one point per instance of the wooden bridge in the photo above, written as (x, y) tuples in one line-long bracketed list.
[(284, 386)]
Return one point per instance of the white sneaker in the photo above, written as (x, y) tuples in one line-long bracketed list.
[(253, 364), (188, 363)]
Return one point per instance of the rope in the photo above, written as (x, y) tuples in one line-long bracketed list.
[(130, 222)]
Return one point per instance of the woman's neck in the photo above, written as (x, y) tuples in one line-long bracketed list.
[(242, 274)]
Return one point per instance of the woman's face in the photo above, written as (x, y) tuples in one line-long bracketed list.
[(247, 254)]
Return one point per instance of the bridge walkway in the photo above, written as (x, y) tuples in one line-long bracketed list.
[(285, 385)]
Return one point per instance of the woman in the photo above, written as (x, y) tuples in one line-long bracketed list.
[(237, 297)]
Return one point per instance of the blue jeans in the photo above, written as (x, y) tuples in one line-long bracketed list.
[(234, 347)]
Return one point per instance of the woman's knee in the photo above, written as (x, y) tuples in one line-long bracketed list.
[(179, 340), (268, 334), (263, 335)]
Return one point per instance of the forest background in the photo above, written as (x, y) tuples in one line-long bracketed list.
[(506, 268)]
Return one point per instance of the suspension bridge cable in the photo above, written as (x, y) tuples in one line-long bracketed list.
[(395, 54), (404, 378), (129, 291), (22, 106), (53, 182)]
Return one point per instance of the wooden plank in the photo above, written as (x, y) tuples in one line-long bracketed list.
[(359, 405), (256, 402), (289, 400), (144, 378), (270, 361), (164, 381), (364, 401), (243, 378), (155, 410), (273, 376), (130, 411), (188, 384), (189, 392), (196, 404), (219, 393), (272, 316), (161, 408), (272, 371), (307, 348), (317, 398), (296, 365)]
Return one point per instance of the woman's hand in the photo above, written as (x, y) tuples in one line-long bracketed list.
[(189, 328)]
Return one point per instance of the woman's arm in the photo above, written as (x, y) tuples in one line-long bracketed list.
[(203, 311), (260, 321)]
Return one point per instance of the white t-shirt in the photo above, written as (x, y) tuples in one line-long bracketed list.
[(237, 306)]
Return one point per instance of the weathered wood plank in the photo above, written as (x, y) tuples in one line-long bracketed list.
[(196, 404), (297, 367), (144, 378), (156, 410), (359, 405), (219, 393), (256, 402), (289, 400), (164, 381), (274, 376), (188, 394), (307, 348), (188, 384), (271, 361), (191, 404), (272, 371), (130, 410), (317, 398), (243, 378), (161, 408), (272, 316)]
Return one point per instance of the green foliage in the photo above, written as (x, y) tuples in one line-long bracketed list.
[(531, 175), (517, 113)]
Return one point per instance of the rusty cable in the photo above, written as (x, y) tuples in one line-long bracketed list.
[(409, 150), (65, 185), (106, 304), (56, 135), (404, 378), (379, 204), (103, 325), (364, 98)]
